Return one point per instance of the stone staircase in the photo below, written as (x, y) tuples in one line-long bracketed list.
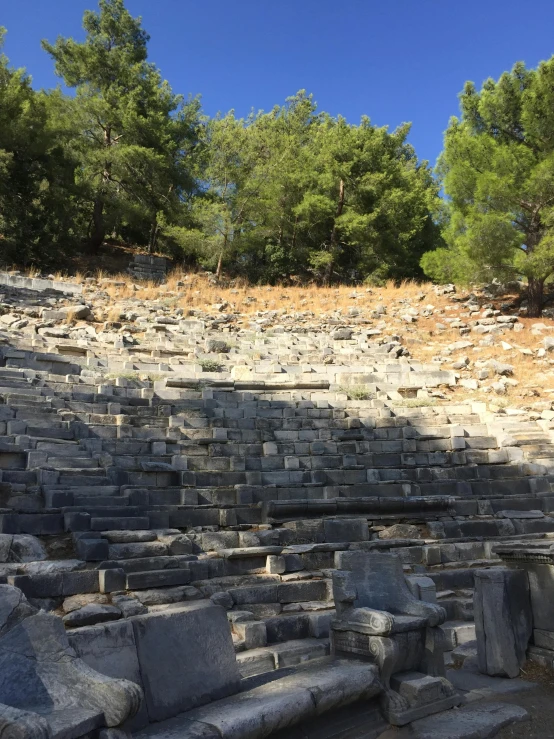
[(241, 485)]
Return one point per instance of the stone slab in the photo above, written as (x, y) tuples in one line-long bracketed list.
[(503, 620), (186, 658), (277, 703)]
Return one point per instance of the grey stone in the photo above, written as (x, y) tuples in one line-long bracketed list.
[(160, 596), (344, 529), (110, 649), (222, 599), (342, 334), (400, 531), (111, 580), (26, 548), (75, 602), (5, 547), (93, 550), (476, 721), (276, 704), (129, 606), (93, 613), (503, 620), (41, 673), (253, 633), (521, 514), (186, 658)]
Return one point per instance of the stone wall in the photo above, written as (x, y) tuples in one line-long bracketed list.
[(146, 267)]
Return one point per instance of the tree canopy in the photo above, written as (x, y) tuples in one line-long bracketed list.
[(497, 170), (292, 193), (289, 194)]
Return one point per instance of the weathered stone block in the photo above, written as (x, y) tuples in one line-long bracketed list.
[(342, 529), (186, 658), (503, 620)]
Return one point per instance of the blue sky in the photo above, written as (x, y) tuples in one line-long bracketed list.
[(401, 60)]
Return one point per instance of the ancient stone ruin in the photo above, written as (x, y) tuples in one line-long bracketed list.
[(236, 553), (147, 267)]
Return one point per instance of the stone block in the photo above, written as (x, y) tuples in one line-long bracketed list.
[(320, 623), (255, 662), (503, 620), (275, 564), (111, 580), (83, 581), (186, 658), (93, 613), (253, 633), (92, 550), (38, 586), (344, 529)]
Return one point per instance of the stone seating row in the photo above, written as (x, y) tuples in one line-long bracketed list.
[(158, 587)]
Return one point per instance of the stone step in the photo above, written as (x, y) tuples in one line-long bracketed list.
[(110, 511), (79, 491), (153, 563), (293, 592), (136, 550), (539, 452), (71, 462), (93, 502), (157, 579), (119, 523), (294, 652), (67, 449), (22, 391), (73, 478), (13, 384), (51, 430)]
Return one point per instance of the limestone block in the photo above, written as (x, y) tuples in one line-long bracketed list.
[(503, 620), (186, 658)]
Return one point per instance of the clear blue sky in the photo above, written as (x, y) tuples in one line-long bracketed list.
[(395, 60)]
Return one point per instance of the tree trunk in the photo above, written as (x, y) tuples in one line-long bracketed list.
[(98, 231), (535, 293), (220, 260), (334, 234), (153, 239)]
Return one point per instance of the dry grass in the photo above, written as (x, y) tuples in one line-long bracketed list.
[(113, 314)]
